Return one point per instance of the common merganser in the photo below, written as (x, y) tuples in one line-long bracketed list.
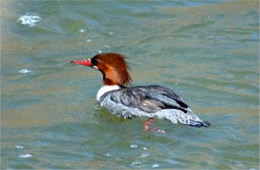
[(152, 101)]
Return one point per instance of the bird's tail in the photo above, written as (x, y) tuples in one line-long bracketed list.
[(199, 124), (188, 118)]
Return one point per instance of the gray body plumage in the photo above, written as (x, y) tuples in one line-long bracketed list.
[(150, 101)]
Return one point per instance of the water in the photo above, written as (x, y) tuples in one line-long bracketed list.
[(207, 52)]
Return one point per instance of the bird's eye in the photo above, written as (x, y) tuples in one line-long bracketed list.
[(94, 62)]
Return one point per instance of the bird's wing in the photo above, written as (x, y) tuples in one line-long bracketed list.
[(149, 99)]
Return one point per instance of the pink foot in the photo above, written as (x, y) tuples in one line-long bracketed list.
[(147, 127)]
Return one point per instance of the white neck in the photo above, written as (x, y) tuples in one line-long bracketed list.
[(104, 89)]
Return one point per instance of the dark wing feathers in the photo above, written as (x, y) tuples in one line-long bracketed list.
[(149, 98), (170, 94)]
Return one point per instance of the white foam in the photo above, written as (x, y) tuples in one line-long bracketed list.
[(155, 166), (25, 155), (144, 155), (24, 71), (18, 146), (134, 146), (136, 163), (29, 19)]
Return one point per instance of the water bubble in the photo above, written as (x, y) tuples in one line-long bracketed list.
[(82, 30), (133, 146), (144, 155), (99, 51), (107, 154), (24, 71), (25, 155), (136, 163), (144, 148), (29, 18), (18, 146), (155, 166), (110, 33), (89, 40)]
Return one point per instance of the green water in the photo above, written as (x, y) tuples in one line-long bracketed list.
[(207, 52)]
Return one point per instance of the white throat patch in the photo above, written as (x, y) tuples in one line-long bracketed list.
[(105, 89)]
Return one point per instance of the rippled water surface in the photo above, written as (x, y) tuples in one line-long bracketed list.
[(208, 53)]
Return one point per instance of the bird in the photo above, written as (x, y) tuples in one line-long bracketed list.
[(126, 101)]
